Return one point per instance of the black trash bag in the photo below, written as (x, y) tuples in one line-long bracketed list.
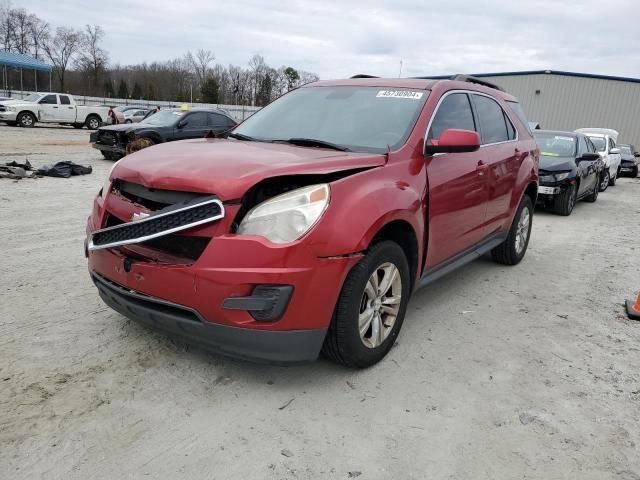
[(64, 170)]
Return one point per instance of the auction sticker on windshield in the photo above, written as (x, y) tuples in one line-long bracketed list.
[(400, 94)]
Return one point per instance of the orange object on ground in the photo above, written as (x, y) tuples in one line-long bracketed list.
[(633, 309)]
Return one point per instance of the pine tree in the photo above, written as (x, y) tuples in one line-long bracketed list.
[(108, 88), (209, 91), (136, 93), (123, 89)]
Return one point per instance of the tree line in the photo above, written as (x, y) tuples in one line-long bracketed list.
[(82, 66)]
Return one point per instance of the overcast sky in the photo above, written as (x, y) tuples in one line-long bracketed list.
[(336, 39)]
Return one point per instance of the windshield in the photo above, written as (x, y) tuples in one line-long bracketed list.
[(369, 119), (553, 145), (600, 143), (625, 149), (34, 97), (164, 118)]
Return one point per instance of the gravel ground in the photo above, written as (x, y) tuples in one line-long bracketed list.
[(499, 373)]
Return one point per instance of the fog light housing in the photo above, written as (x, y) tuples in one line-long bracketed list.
[(267, 303)]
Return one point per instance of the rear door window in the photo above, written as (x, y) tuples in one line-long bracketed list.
[(491, 119), (454, 112), (64, 100)]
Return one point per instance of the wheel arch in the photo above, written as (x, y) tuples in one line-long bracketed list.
[(402, 233), (21, 112)]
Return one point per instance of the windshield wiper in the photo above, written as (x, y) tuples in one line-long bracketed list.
[(312, 142), (240, 136)]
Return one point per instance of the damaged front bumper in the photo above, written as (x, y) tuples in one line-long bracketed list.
[(243, 296)]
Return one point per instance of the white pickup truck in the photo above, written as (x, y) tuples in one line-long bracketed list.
[(51, 108)]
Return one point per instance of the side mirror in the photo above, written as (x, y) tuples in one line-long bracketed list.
[(589, 156), (454, 141), (636, 154), (614, 150), (182, 123)]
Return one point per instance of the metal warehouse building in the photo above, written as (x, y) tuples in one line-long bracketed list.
[(567, 100)]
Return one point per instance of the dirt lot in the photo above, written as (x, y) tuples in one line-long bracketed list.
[(499, 373)]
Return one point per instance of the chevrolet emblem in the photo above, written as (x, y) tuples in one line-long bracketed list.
[(139, 216)]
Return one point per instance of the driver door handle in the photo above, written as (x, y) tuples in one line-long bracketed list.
[(481, 167)]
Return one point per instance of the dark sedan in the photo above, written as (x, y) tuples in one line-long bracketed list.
[(628, 160), (115, 141), (570, 170)]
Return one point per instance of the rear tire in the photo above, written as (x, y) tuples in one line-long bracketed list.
[(26, 119), (512, 250), (370, 308), (593, 196), (563, 204), (92, 122)]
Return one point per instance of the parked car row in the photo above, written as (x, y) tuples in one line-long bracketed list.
[(578, 165)]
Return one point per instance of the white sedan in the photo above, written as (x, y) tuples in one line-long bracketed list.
[(605, 140)]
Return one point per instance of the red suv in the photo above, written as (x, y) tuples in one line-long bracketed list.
[(308, 228)]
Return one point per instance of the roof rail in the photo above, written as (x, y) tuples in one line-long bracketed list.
[(364, 75), (468, 78)]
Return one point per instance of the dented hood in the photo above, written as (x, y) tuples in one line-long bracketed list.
[(228, 168)]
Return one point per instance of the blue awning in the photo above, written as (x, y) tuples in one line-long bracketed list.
[(19, 60)]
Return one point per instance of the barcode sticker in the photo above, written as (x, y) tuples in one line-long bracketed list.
[(400, 94)]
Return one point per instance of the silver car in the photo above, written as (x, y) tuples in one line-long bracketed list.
[(135, 115)]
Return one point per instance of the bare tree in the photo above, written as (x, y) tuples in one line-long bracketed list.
[(61, 49), (6, 26), (200, 64), (92, 58), (39, 35), (21, 31)]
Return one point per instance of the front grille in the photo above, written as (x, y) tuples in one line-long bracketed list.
[(544, 173), (164, 222), (108, 138), (3, 108)]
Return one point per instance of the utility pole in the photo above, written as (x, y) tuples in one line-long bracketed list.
[(400, 73)]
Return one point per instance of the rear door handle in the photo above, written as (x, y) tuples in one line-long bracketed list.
[(481, 167)]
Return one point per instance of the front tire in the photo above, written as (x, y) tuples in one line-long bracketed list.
[(564, 202), (612, 180), (111, 155), (634, 172), (26, 119), (604, 180), (593, 196), (371, 308), (512, 250)]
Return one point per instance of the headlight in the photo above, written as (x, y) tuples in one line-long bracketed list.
[(562, 176), (11, 109), (287, 217), (107, 182)]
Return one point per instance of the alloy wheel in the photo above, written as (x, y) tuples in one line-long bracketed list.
[(93, 123), (26, 120), (522, 230), (605, 181), (380, 305)]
